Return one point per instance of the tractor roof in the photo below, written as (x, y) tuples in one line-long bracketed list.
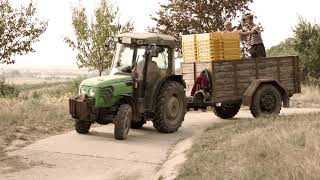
[(151, 38)]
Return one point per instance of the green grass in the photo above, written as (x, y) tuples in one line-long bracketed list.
[(279, 148)]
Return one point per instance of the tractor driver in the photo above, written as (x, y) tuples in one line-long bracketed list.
[(152, 69)]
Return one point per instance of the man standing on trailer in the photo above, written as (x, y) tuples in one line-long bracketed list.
[(228, 26), (252, 33)]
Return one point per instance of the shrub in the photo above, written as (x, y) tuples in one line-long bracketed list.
[(8, 90)]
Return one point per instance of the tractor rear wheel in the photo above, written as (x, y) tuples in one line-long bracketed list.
[(122, 122), (170, 107)]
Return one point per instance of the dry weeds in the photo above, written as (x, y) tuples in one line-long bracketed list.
[(279, 148), (33, 115), (310, 97)]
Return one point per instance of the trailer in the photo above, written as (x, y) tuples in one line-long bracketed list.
[(264, 84)]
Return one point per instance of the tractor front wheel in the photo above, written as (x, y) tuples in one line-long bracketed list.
[(122, 122), (82, 127)]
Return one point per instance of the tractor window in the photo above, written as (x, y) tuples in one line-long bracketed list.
[(124, 57), (162, 59), (140, 59)]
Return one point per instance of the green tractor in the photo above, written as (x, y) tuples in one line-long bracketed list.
[(141, 86)]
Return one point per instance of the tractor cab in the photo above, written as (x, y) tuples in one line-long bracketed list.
[(149, 59), (141, 86)]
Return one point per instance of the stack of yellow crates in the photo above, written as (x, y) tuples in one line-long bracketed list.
[(231, 45), (189, 48), (209, 46)]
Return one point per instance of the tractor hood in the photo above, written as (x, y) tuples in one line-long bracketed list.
[(105, 80)]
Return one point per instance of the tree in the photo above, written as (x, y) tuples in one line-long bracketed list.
[(285, 48), (180, 17), (19, 30), (91, 36), (308, 47)]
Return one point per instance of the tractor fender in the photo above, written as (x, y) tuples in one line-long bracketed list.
[(177, 78), (251, 90), (128, 99)]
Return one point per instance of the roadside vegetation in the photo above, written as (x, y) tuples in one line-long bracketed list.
[(35, 112), (280, 148), (309, 98)]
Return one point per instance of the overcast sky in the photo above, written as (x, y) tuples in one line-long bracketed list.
[(278, 17)]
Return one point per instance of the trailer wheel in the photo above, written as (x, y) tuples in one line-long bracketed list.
[(122, 122), (82, 127), (266, 101), (227, 112), (170, 107)]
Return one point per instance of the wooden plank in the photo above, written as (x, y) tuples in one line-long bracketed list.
[(235, 80), (213, 80), (246, 73), (225, 68), (295, 71), (287, 82), (222, 75), (247, 80), (187, 70), (187, 65), (224, 87), (285, 62), (227, 98), (241, 67), (268, 76), (219, 82), (224, 93), (285, 70), (257, 69), (188, 76), (269, 70), (265, 64)]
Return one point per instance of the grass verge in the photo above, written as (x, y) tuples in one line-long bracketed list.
[(34, 114), (310, 97), (279, 148)]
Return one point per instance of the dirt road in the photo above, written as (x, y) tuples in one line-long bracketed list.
[(98, 156)]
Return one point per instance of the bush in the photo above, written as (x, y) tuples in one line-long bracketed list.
[(74, 85), (8, 90), (308, 42)]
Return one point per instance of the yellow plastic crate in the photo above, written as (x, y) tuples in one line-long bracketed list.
[(189, 38), (230, 36), (209, 36), (232, 57), (189, 48)]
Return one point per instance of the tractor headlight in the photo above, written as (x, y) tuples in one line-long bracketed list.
[(82, 90), (92, 92)]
